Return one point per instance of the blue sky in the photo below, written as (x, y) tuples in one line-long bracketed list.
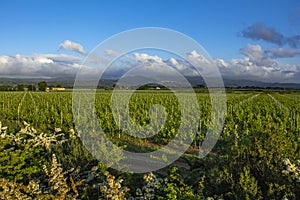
[(224, 28)]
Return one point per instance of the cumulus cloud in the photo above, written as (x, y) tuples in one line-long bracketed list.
[(144, 58), (259, 31), (39, 65), (72, 46), (202, 64), (159, 64), (257, 56), (220, 63), (259, 65), (197, 59), (282, 53), (151, 64), (245, 69), (110, 52)]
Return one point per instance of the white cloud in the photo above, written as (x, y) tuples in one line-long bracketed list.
[(144, 58), (258, 56), (110, 52), (158, 64), (257, 65), (220, 62), (197, 59), (203, 64), (173, 61), (39, 65), (72, 46), (245, 69)]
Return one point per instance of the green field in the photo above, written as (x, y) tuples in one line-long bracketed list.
[(257, 155)]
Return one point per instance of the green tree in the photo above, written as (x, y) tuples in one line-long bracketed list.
[(20, 88), (42, 86), (31, 88)]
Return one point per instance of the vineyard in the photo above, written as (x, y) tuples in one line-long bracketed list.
[(257, 155)]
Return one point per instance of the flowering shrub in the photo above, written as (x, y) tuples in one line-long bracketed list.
[(292, 170), (112, 189)]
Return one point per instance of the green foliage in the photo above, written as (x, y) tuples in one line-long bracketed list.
[(248, 185), (42, 86), (72, 154), (20, 88), (20, 161), (176, 188), (256, 156), (31, 88)]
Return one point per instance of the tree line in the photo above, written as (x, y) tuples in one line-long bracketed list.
[(41, 86)]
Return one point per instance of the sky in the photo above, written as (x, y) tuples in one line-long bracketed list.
[(253, 39)]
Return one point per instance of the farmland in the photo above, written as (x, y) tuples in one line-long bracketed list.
[(257, 155)]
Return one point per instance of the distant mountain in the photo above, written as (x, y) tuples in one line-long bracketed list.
[(249, 83), (65, 82), (106, 83), (234, 83)]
